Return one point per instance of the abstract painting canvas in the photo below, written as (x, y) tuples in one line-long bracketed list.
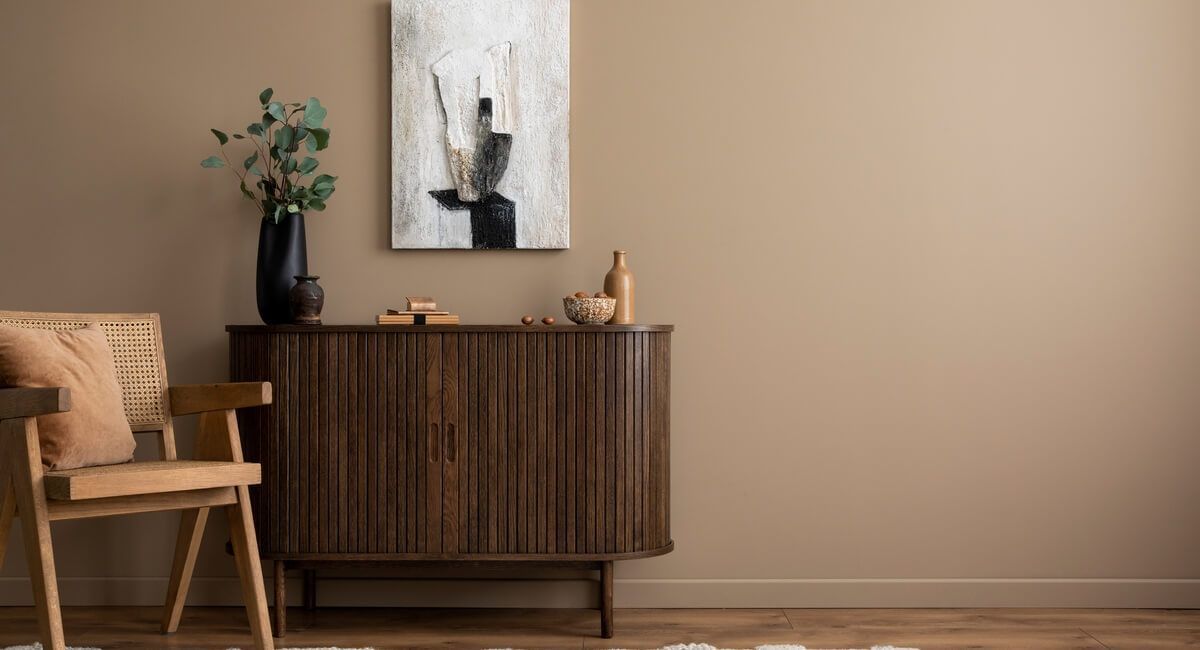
[(480, 134)]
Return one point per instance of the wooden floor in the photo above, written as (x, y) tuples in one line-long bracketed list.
[(1032, 629)]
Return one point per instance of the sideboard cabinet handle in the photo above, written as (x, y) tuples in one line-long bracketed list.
[(451, 443), (434, 442)]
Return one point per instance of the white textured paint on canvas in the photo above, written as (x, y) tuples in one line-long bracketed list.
[(480, 123)]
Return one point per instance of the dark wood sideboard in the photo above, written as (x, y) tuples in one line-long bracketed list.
[(458, 444)]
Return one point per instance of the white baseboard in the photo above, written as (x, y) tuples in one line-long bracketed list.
[(911, 592), (853, 592)]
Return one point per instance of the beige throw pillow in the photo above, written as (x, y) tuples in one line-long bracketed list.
[(94, 431)]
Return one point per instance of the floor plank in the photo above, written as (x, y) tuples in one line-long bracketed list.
[(1062, 617), (217, 628), (928, 632), (950, 637), (1134, 638)]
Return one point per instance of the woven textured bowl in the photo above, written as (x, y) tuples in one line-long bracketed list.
[(590, 311)]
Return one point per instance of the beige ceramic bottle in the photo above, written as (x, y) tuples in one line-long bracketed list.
[(618, 283)]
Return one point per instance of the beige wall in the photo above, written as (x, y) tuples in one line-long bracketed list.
[(935, 267)]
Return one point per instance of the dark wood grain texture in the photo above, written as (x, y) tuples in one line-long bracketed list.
[(471, 443)]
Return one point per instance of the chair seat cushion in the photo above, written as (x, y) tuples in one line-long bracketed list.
[(148, 478), (95, 430)]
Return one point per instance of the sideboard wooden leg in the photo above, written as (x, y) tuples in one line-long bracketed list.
[(310, 589), (280, 599), (606, 599)]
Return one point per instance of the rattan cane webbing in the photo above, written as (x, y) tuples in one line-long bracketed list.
[(138, 359)]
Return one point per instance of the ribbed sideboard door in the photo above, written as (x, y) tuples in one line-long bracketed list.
[(346, 446), (503, 442), (562, 442)]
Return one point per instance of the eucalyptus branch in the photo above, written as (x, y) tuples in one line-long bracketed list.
[(241, 177), (281, 190), (265, 157), (269, 162)]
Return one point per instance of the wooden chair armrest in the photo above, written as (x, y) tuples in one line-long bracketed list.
[(202, 398), (18, 402)]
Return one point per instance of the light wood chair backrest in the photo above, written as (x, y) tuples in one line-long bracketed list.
[(136, 341)]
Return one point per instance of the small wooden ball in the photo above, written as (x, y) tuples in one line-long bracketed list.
[(601, 294), (549, 320), (581, 294), (527, 320)]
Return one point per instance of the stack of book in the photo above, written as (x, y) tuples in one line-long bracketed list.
[(421, 311)]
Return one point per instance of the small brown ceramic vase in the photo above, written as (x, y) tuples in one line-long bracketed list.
[(307, 298), (619, 284)]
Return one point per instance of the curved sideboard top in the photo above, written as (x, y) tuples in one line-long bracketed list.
[(443, 329)]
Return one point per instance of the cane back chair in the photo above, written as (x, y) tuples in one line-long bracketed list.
[(217, 475)]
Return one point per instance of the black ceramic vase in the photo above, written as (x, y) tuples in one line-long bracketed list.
[(282, 255)]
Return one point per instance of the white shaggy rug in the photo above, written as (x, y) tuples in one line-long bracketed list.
[(705, 646), (681, 646), (38, 646)]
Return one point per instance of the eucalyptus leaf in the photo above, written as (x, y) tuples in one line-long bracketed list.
[(285, 137), (289, 165), (308, 165), (314, 113), (221, 137), (276, 110), (257, 172), (238, 136), (265, 96), (212, 162), (250, 161), (318, 140), (317, 204), (255, 129), (324, 179), (247, 193)]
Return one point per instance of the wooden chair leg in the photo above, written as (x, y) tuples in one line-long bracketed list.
[(8, 508), (20, 443), (245, 551), (280, 599), (187, 547), (606, 599), (218, 440)]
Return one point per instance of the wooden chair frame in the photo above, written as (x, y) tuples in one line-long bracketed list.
[(23, 486)]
